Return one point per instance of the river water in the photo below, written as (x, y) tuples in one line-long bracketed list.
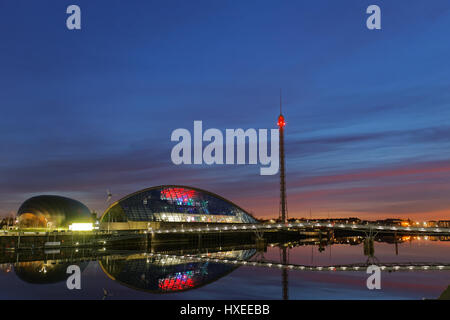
[(172, 275)]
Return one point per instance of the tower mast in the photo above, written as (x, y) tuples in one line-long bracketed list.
[(283, 204)]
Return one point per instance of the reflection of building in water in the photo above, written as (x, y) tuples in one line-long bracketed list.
[(168, 274), (173, 204), (183, 280), (6, 267), (40, 272)]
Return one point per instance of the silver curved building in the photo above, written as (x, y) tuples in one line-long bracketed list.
[(52, 211), (173, 203)]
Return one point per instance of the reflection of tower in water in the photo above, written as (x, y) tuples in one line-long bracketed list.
[(284, 276)]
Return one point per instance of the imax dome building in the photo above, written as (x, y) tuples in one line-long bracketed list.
[(52, 211), (171, 203)]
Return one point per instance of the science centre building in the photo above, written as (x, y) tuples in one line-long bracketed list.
[(171, 203)]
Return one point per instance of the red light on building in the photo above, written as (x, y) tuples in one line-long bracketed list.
[(178, 194), (281, 123)]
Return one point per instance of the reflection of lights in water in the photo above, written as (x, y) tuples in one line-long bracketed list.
[(40, 272), (6, 268), (43, 269), (178, 281), (164, 273)]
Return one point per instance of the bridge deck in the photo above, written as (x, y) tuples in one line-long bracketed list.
[(308, 225)]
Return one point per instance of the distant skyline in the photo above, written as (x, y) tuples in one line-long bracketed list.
[(367, 112)]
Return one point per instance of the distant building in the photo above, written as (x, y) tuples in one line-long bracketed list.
[(390, 222), (7, 223), (346, 220), (171, 203), (444, 223), (432, 223)]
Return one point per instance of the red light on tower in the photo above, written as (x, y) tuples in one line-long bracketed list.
[(281, 123)]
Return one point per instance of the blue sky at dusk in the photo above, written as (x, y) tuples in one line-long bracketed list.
[(368, 131)]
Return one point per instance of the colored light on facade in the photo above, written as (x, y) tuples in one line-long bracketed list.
[(179, 195)]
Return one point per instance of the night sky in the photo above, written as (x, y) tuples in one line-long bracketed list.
[(367, 112)]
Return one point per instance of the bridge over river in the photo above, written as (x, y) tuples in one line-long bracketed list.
[(261, 227)]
